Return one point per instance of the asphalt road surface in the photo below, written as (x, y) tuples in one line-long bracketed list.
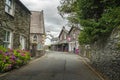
[(54, 66)]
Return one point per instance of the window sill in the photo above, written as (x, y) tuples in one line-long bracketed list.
[(10, 14), (7, 42)]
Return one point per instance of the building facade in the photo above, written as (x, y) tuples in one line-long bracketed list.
[(54, 42), (67, 40), (14, 24), (37, 32), (73, 35), (63, 44)]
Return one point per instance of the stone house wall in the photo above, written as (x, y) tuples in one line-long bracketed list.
[(105, 56), (74, 33), (19, 24), (37, 31), (73, 39), (63, 34)]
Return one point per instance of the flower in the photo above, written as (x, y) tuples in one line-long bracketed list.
[(23, 54), (10, 50), (4, 60), (1, 52), (9, 66), (13, 57), (7, 53), (18, 51)]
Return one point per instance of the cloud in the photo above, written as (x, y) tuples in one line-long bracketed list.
[(51, 16), (53, 21)]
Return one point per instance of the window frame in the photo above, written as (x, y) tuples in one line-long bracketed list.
[(22, 42), (39, 46), (9, 7), (7, 40)]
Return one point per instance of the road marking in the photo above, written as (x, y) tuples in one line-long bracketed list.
[(92, 69)]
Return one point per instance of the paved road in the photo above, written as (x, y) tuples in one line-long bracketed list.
[(54, 66)]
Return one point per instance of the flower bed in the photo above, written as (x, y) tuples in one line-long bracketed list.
[(10, 59)]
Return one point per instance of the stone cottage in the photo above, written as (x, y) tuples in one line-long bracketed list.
[(60, 43), (63, 44), (67, 40), (14, 24), (73, 35), (54, 43), (37, 33)]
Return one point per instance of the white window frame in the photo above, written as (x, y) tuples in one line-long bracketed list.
[(39, 46), (9, 7), (22, 42), (8, 40)]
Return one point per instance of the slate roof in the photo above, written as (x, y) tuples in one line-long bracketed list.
[(23, 6), (63, 29), (37, 22)]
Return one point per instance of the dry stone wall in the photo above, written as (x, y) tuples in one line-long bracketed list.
[(105, 56), (19, 24)]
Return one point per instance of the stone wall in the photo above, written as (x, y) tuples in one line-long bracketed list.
[(19, 24), (105, 56)]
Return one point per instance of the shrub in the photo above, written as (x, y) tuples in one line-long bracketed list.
[(10, 59)]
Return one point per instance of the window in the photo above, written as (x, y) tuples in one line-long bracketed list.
[(35, 38), (9, 7), (7, 39), (22, 42), (39, 46)]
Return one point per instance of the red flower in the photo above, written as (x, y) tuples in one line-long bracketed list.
[(23, 54), (1, 52), (18, 51)]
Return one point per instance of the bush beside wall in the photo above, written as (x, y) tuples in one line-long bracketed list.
[(10, 59)]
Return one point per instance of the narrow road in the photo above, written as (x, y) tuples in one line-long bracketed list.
[(54, 66)]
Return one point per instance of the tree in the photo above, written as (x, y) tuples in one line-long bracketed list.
[(97, 17), (69, 7)]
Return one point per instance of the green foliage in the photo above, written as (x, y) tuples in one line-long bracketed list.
[(69, 7), (97, 17), (102, 27), (3, 49), (10, 59), (84, 38)]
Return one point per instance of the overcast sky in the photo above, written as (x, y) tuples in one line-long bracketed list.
[(53, 21)]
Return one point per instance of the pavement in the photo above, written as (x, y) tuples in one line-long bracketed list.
[(55, 66)]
